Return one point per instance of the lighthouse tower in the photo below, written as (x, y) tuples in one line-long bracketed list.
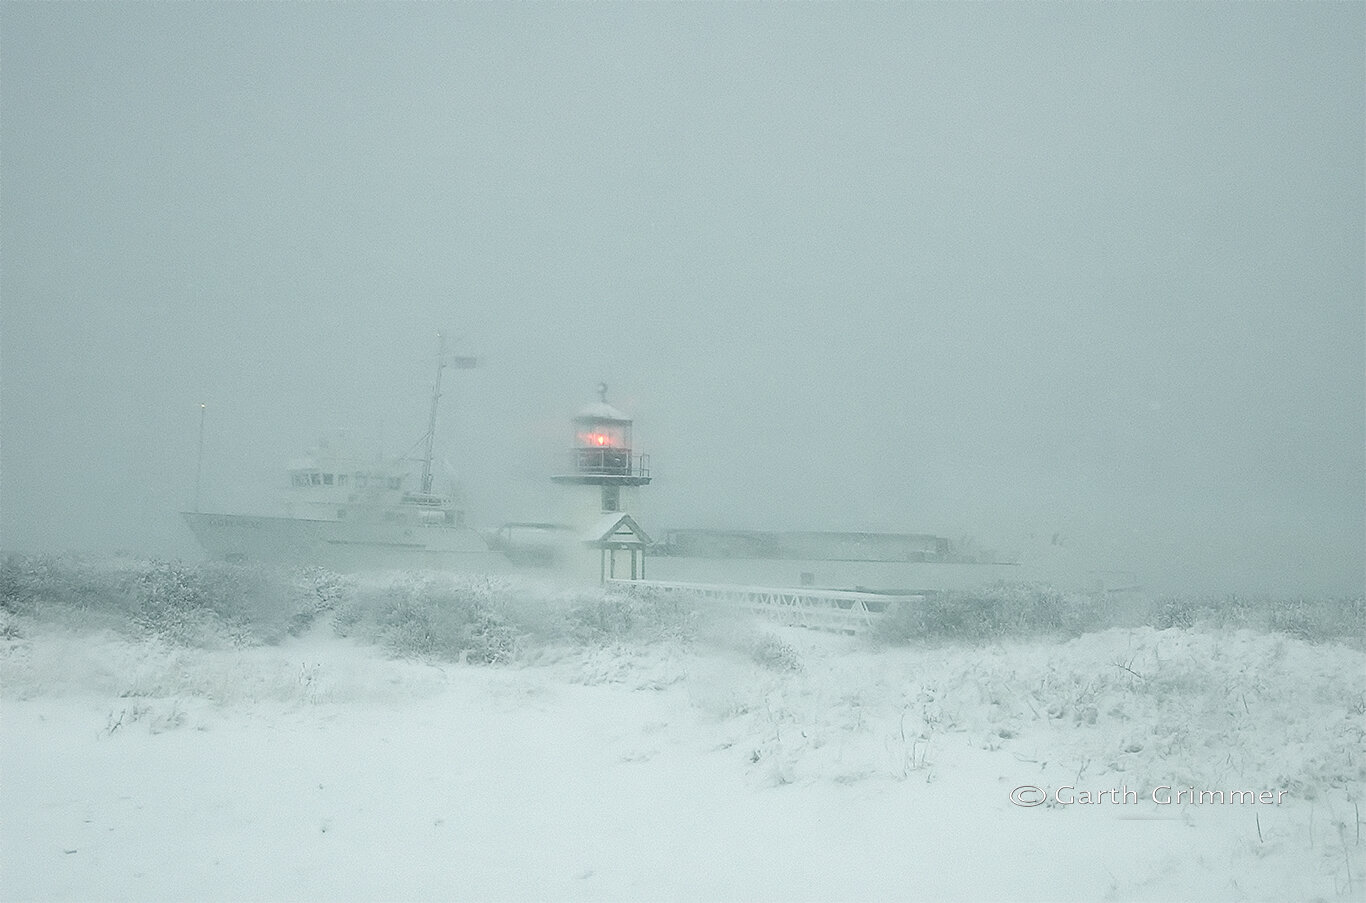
[(600, 484)]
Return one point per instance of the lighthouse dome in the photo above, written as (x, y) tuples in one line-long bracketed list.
[(601, 410)]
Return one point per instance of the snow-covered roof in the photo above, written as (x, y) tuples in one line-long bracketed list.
[(616, 528), (601, 410)]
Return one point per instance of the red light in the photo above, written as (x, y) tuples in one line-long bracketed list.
[(595, 439)]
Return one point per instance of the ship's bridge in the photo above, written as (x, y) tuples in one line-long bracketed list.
[(342, 479), (306, 474), (344, 464)]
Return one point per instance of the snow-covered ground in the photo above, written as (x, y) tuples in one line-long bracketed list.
[(824, 769)]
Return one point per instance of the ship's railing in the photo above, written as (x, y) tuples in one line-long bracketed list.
[(841, 611), (609, 462), (427, 499)]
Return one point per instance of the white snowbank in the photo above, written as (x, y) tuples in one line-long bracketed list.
[(320, 769)]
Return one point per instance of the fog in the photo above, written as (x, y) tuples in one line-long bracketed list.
[(974, 270)]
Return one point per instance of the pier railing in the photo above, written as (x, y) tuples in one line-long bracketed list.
[(841, 611)]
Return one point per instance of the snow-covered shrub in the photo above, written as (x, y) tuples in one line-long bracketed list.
[(1002, 610), (597, 619), (1051, 611), (349, 617), (1179, 613), (316, 591), (1312, 620), (770, 652), (938, 616), (172, 603), (435, 616), (187, 604), (639, 614), (9, 626), (1022, 610), (20, 583), (213, 603), (30, 583), (1320, 620), (668, 617)]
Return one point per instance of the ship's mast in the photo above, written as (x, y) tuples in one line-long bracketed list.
[(431, 420), (199, 462), (429, 441)]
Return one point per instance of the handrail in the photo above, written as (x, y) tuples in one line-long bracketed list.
[(738, 589), (846, 611), (609, 462)]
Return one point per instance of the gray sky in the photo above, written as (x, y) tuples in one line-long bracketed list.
[(966, 269)]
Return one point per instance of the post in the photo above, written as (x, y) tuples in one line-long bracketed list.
[(199, 462)]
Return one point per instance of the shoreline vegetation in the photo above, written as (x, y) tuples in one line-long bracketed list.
[(944, 707), (484, 619)]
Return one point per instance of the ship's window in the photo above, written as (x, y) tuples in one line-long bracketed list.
[(394, 482), (361, 480), (327, 479), (317, 479), (611, 498), (341, 479), (341, 514)]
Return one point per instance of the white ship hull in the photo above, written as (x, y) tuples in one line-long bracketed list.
[(343, 545)]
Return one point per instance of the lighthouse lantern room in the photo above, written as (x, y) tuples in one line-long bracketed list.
[(600, 482), (602, 454)]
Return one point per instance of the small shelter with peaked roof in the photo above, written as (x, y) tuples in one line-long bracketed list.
[(618, 532)]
